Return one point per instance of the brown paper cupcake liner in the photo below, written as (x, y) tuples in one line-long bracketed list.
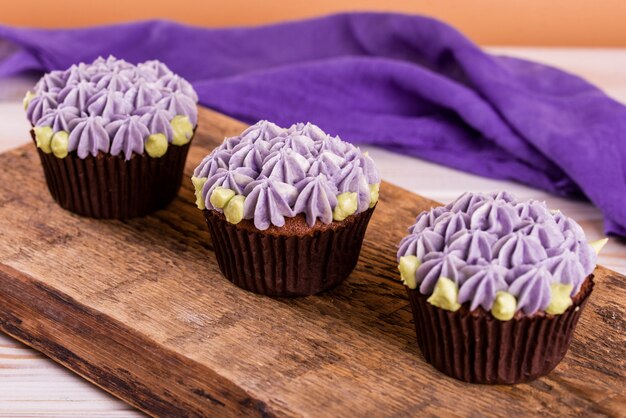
[(110, 187), (477, 348), (287, 265)]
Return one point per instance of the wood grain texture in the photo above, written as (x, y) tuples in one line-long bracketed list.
[(140, 308)]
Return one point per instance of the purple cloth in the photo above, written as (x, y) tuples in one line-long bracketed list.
[(406, 83)]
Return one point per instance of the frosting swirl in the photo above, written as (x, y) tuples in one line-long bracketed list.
[(77, 95), (88, 136), (127, 133), (298, 170), (59, 118), (269, 201), (492, 244), (136, 106), (317, 197), (482, 281)]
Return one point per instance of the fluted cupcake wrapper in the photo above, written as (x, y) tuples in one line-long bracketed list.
[(278, 265), (475, 347), (110, 187)]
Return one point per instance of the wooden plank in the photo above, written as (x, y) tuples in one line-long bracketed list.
[(140, 308), (33, 385)]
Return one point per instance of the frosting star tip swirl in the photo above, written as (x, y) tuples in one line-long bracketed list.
[(283, 172), (115, 107), (495, 249)]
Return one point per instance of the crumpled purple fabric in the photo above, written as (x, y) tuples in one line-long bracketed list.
[(409, 84)]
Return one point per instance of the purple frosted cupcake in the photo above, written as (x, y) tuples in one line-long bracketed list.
[(496, 286), (287, 209), (112, 137)]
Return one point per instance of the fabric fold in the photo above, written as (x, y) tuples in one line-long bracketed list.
[(409, 84)]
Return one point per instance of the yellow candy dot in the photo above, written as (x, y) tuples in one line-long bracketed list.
[(198, 184), (445, 295), (59, 144), (374, 193), (599, 244), (156, 145), (221, 196), (43, 137), (347, 204), (504, 306), (560, 300), (408, 266), (28, 98), (182, 130), (234, 209)]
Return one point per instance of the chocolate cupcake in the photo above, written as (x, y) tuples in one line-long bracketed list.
[(287, 209), (496, 286), (112, 137)]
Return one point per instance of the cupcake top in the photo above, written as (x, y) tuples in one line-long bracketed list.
[(112, 106), (496, 252), (269, 173)]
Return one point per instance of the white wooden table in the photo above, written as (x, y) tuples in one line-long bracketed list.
[(32, 385)]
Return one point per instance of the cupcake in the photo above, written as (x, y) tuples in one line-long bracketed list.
[(287, 209), (496, 286), (112, 137)]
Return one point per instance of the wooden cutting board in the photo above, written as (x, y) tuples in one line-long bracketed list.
[(140, 309)]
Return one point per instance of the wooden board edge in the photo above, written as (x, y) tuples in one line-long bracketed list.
[(39, 316)]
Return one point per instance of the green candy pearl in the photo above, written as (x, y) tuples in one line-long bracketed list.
[(43, 137), (59, 144), (182, 130), (347, 204), (156, 145), (234, 209), (445, 295)]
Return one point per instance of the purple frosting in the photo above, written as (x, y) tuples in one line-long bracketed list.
[(278, 197), (113, 105), (285, 172), (88, 136), (127, 133), (59, 118), (77, 95), (156, 120), (39, 105), (317, 197), (491, 242)]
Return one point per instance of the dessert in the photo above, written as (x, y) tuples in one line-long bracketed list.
[(287, 208), (112, 137), (496, 286)]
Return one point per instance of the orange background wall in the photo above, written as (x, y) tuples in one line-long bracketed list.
[(489, 22)]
